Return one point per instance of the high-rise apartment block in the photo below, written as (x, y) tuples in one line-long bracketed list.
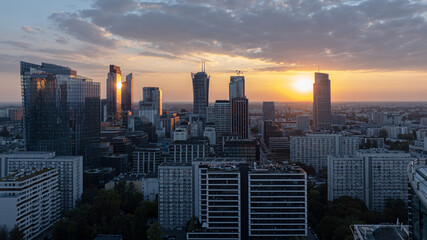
[(417, 204), (61, 111), (322, 102), (175, 195), (114, 93), (314, 149), (238, 201), (372, 175), (268, 111), (29, 199), (70, 170)]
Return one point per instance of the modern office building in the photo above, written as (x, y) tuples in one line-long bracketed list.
[(222, 118), (314, 149), (322, 102), (370, 175), (238, 201), (279, 149), (70, 169), (181, 133), (237, 87), (200, 92), (242, 148), (240, 117), (147, 158), (417, 204), (29, 199), (303, 123), (127, 93), (268, 111), (188, 151), (175, 191), (119, 161), (61, 111), (114, 94), (151, 105)]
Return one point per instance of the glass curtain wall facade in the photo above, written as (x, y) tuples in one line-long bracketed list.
[(61, 111)]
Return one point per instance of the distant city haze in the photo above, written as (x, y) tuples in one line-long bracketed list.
[(163, 44)]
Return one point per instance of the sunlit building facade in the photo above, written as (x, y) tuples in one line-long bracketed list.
[(127, 93), (61, 111), (114, 94)]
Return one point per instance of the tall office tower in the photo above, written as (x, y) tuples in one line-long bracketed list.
[(322, 102), (303, 123), (70, 172), (61, 111), (151, 105), (240, 117), (210, 117), (222, 119), (237, 87), (114, 94), (268, 111), (29, 200), (127, 93), (147, 158), (200, 92), (371, 176), (314, 149), (236, 201), (175, 195), (417, 203), (189, 150)]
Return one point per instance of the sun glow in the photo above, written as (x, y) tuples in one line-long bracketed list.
[(119, 85), (303, 85)]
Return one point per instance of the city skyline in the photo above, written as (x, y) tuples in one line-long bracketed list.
[(363, 63)]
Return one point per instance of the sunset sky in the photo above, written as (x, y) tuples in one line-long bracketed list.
[(373, 50)]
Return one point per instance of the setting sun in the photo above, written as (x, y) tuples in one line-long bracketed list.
[(119, 85), (303, 85)]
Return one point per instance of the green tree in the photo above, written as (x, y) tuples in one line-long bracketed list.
[(155, 233), (383, 133), (3, 232), (106, 206), (16, 234), (372, 217)]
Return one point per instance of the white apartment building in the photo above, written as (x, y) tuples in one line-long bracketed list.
[(314, 149), (180, 134), (371, 175), (70, 170), (29, 199), (188, 151), (175, 195), (234, 200)]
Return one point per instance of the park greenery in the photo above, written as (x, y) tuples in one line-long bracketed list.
[(332, 220), (121, 210)]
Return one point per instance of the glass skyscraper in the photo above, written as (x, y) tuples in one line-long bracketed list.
[(322, 102), (200, 92), (114, 94), (61, 111), (237, 87)]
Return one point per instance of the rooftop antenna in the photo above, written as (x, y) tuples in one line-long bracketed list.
[(318, 68)]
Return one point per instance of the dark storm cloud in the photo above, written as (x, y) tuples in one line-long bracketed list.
[(372, 34)]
